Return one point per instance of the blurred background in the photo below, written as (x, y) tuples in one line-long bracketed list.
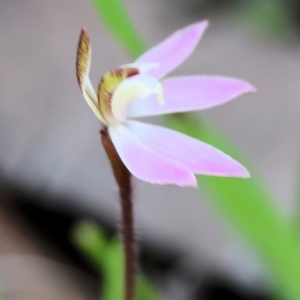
[(54, 172)]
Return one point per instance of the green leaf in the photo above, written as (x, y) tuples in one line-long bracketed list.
[(107, 255), (92, 242), (114, 14), (145, 290), (113, 271), (250, 209)]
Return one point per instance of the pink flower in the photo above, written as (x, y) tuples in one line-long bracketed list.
[(153, 153)]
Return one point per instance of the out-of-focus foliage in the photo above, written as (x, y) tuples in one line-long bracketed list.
[(113, 13), (107, 256), (244, 202), (275, 17)]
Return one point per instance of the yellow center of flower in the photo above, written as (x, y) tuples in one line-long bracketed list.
[(108, 84)]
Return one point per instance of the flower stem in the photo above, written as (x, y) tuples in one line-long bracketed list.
[(123, 178), (128, 236)]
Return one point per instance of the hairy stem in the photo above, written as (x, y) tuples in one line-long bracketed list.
[(128, 240), (123, 178)]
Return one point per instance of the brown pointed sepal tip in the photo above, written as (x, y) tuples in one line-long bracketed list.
[(83, 58)]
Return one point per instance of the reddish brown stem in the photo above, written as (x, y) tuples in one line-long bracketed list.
[(128, 240), (123, 178)]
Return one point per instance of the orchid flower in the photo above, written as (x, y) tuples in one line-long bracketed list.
[(152, 153)]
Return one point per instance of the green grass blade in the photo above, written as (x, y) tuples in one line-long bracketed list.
[(114, 15)]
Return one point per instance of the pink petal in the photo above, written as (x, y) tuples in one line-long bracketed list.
[(174, 50), (198, 156), (145, 163), (190, 93)]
